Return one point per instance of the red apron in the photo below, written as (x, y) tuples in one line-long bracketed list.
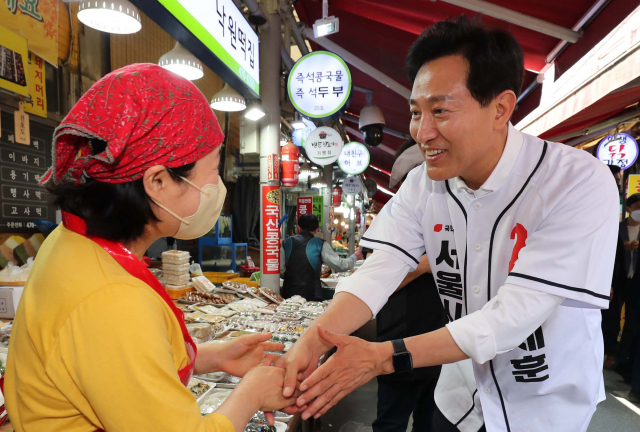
[(137, 269)]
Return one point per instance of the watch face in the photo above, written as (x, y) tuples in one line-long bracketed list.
[(402, 362)]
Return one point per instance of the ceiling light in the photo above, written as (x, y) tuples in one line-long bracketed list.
[(342, 223), (228, 99), (112, 16), (346, 226), (326, 26), (318, 184), (297, 123), (335, 221), (254, 111), (180, 61), (305, 169)]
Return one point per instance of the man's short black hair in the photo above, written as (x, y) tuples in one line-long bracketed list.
[(615, 169), (308, 222), (114, 211), (496, 61), (633, 199)]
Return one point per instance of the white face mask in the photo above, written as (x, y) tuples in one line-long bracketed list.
[(635, 215), (203, 220)]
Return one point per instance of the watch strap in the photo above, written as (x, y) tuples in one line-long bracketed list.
[(398, 346)]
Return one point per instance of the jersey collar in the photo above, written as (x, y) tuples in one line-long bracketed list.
[(504, 167)]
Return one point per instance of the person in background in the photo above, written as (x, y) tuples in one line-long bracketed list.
[(628, 359), (415, 308), (302, 258)]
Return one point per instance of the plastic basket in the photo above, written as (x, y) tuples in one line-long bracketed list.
[(219, 277), (246, 282)]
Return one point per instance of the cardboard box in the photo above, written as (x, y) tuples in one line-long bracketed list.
[(9, 299)]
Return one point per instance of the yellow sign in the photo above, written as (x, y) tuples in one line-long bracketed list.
[(634, 184), (13, 61), (37, 103), (36, 21)]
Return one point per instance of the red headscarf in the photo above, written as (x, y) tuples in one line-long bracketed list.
[(147, 115)]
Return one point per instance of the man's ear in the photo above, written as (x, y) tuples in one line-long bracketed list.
[(505, 104), (155, 180)]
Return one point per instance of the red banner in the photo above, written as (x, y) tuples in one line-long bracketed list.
[(305, 206), (270, 230), (273, 167)]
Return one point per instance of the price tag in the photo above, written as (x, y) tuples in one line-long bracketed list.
[(21, 118)]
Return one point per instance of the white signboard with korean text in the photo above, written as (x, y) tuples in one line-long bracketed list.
[(618, 149), (319, 85), (352, 185), (354, 158), (222, 28), (323, 145)]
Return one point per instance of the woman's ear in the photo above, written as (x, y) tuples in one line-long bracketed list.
[(155, 181)]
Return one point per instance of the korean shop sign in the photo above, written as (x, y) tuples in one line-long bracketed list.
[(618, 149), (323, 145), (223, 29), (352, 185), (319, 85), (354, 158)]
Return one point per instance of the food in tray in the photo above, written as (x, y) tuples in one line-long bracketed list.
[(198, 387), (193, 317), (212, 319), (271, 306), (175, 257), (255, 292), (236, 286), (240, 333), (326, 271), (214, 400), (203, 285), (221, 378), (284, 337), (242, 306), (202, 331), (296, 299), (212, 310), (289, 315), (271, 295), (288, 307), (212, 298)]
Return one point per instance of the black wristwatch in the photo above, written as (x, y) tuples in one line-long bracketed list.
[(402, 360)]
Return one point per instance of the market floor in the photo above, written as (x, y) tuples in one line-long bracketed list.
[(357, 411)]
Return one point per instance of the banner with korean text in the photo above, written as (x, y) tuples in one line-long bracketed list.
[(36, 21), (270, 230), (37, 102)]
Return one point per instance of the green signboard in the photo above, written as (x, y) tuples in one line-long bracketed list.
[(318, 206)]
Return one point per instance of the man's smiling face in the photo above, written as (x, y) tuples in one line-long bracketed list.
[(447, 122)]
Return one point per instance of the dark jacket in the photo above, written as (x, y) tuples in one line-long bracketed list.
[(303, 262), (412, 311)]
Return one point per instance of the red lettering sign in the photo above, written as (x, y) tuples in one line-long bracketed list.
[(270, 230)]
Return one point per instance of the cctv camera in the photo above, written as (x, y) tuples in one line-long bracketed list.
[(371, 124)]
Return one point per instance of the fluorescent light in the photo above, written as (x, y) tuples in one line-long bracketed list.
[(182, 62), (326, 26), (318, 183), (255, 112), (387, 191), (228, 99), (297, 123), (113, 16)]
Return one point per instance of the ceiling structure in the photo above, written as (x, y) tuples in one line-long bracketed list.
[(380, 32)]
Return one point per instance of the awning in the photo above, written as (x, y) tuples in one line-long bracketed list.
[(609, 66)]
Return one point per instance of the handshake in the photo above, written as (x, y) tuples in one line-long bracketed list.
[(294, 383)]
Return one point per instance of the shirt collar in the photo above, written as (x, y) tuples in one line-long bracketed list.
[(504, 167)]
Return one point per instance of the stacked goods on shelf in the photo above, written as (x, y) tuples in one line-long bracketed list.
[(175, 269)]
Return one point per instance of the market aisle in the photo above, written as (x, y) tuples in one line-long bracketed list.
[(356, 412)]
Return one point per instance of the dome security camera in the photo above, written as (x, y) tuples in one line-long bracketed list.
[(372, 124)]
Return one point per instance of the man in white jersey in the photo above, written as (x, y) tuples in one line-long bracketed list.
[(520, 235)]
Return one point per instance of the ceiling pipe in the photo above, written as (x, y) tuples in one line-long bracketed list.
[(359, 64), (297, 31), (593, 11), (256, 16), (519, 19), (367, 92), (286, 58)]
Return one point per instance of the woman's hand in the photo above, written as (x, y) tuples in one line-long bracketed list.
[(246, 352), (237, 356)]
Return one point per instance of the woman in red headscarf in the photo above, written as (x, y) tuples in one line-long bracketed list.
[(97, 344)]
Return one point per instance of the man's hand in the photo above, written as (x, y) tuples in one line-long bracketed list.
[(358, 254), (299, 362), (354, 364), (631, 245)]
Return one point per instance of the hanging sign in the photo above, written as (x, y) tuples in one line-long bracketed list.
[(633, 186), (21, 124), (354, 158), (331, 213), (13, 61), (273, 167), (352, 185), (618, 149), (323, 145), (270, 230), (37, 22), (37, 103), (318, 204), (305, 205), (222, 28), (319, 85)]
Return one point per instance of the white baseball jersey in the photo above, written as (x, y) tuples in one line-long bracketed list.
[(550, 227)]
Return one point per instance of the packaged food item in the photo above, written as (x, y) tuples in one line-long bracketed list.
[(176, 280), (271, 295), (192, 317), (255, 292), (236, 286), (214, 400), (175, 257), (198, 387), (201, 331), (175, 269), (203, 284), (297, 299), (224, 312)]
